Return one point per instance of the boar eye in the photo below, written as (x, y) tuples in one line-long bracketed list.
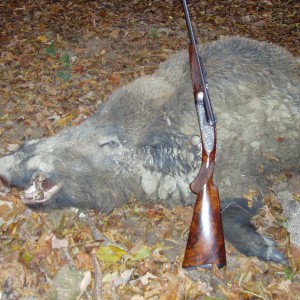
[(112, 144)]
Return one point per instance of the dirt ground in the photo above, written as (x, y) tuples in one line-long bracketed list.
[(59, 61)]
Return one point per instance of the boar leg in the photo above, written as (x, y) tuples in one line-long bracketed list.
[(241, 233)]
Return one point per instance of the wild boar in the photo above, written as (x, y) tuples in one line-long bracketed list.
[(145, 140)]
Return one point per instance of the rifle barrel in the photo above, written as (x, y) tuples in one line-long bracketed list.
[(210, 117)]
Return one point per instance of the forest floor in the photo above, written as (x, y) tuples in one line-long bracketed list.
[(59, 61)]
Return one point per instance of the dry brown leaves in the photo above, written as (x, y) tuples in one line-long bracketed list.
[(139, 252), (59, 61)]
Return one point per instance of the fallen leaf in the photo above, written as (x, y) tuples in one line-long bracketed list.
[(77, 68), (142, 253), (8, 56), (58, 244), (270, 156), (250, 196), (82, 261), (111, 253), (85, 283), (42, 38), (116, 280), (115, 78), (64, 121), (296, 197), (13, 147), (12, 268), (145, 279), (4, 117), (114, 34)]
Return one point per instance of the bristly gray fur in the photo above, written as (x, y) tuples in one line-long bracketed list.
[(142, 140), (145, 130)]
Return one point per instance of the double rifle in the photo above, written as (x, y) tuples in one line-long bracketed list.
[(205, 246)]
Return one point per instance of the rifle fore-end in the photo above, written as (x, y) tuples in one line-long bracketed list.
[(200, 85), (196, 80)]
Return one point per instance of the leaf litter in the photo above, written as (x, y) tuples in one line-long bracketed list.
[(59, 61)]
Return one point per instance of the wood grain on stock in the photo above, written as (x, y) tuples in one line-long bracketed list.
[(205, 245), (204, 175)]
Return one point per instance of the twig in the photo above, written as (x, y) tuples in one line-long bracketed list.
[(97, 278)]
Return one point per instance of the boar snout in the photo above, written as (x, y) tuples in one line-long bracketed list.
[(7, 163)]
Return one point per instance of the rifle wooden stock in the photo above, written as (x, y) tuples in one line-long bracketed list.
[(205, 245)]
